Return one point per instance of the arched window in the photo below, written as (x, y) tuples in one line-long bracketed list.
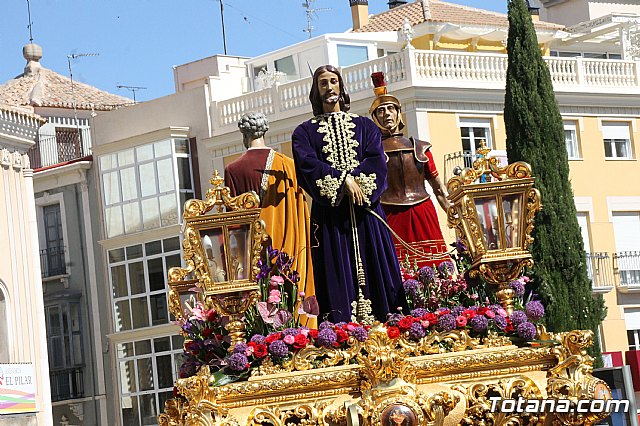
[(4, 329)]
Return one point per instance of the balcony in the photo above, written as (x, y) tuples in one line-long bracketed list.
[(600, 271), (67, 384), (627, 268), (430, 68), (53, 261), (459, 160), (67, 144)]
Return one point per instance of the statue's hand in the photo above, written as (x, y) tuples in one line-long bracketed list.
[(354, 191)]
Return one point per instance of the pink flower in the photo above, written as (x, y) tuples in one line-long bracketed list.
[(425, 323), (289, 339), (461, 321), (275, 281), (490, 313), (274, 296), (301, 294), (304, 331), (502, 312), (249, 351)]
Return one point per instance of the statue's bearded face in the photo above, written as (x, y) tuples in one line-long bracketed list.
[(329, 89), (387, 115)]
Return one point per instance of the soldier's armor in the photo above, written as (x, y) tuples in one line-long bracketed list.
[(406, 160)]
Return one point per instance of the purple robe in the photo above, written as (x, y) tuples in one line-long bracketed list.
[(326, 149)]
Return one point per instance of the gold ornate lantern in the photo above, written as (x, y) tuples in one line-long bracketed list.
[(494, 218), (221, 250)]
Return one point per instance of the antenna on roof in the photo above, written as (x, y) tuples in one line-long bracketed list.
[(30, 23), (311, 14), (133, 89), (73, 93)]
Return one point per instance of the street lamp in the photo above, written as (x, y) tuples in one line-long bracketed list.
[(492, 212)]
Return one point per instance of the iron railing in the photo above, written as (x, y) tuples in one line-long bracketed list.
[(65, 145), (600, 271), (627, 267), (461, 159), (67, 384), (53, 262)]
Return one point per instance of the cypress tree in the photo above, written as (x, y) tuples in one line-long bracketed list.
[(535, 134)]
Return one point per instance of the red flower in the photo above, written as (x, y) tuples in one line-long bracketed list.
[(468, 313), (260, 351), (482, 310), (207, 332), (300, 341), (509, 328), (405, 323), (444, 312), (431, 317), (461, 321), (313, 333), (393, 332), (272, 338), (342, 335)]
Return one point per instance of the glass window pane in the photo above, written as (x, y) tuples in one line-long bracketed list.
[(119, 281), (114, 221), (143, 347), (150, 213), (122, 316), (127, 377), (134, 252), (173, 260), (349, 55), (77, 349), (168, 209), (164, 397), (140, 312), (162, 344), (147, 179), (156, 274), (165, 375), (144, 152), (136, 278), (488, 215), (53, 321), (154, 247), (148, 411), (108, 161), (56, 353), (177, 341), (608, 148), (182, 146), (286, 65), (184, 172), (129, 184), (124, 349), (162, 148), (116, 255), (239, 244), (165, 176), (621, 149), (75, 317), (145, 374), (131, 215), (125, 158), (171, 244), (130, 415), (159, 312), (111, 188), (512, 206)]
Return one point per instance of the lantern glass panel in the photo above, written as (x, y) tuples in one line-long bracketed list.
[(239, 245), (513, 215), (213, 244), (487, 210)]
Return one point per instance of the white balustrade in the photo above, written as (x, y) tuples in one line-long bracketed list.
[(295, 94), (357, 78), (231, 110)]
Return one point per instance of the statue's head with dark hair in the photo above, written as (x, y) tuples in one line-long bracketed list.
[(314, 95)]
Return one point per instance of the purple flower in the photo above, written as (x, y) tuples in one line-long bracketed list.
[(418, 312), (534, 310), (457, 310), (411, 287), (272, 252), (238, 362), (278, 349), (500, 322), (446, 268), (392, 319), (518, 317), (240, 348), (340, 324), (416, 331), (459, 246), (360, 333), (426, 274), (290, 332), (258, 338), (518, 287), (479, 323), (326, 325), (447, 322), (527, 331), (327, 338)]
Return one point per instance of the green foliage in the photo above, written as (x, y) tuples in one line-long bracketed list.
[(535, 135)]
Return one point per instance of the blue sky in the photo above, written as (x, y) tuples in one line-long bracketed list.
[(138, 41)]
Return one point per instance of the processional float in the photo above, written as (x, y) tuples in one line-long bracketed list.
[(448, 377)]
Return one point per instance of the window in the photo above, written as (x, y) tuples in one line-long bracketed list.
[(138, 277), (571, 139), (617, 139), (472, 132), (142, 186), (52, 257), (626, 231), (4, 328), (286, 66), (69, 143), (147, 370), (64, 340), (349, 55), (632, 321)]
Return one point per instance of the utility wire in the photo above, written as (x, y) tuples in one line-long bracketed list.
[(245, 14)]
